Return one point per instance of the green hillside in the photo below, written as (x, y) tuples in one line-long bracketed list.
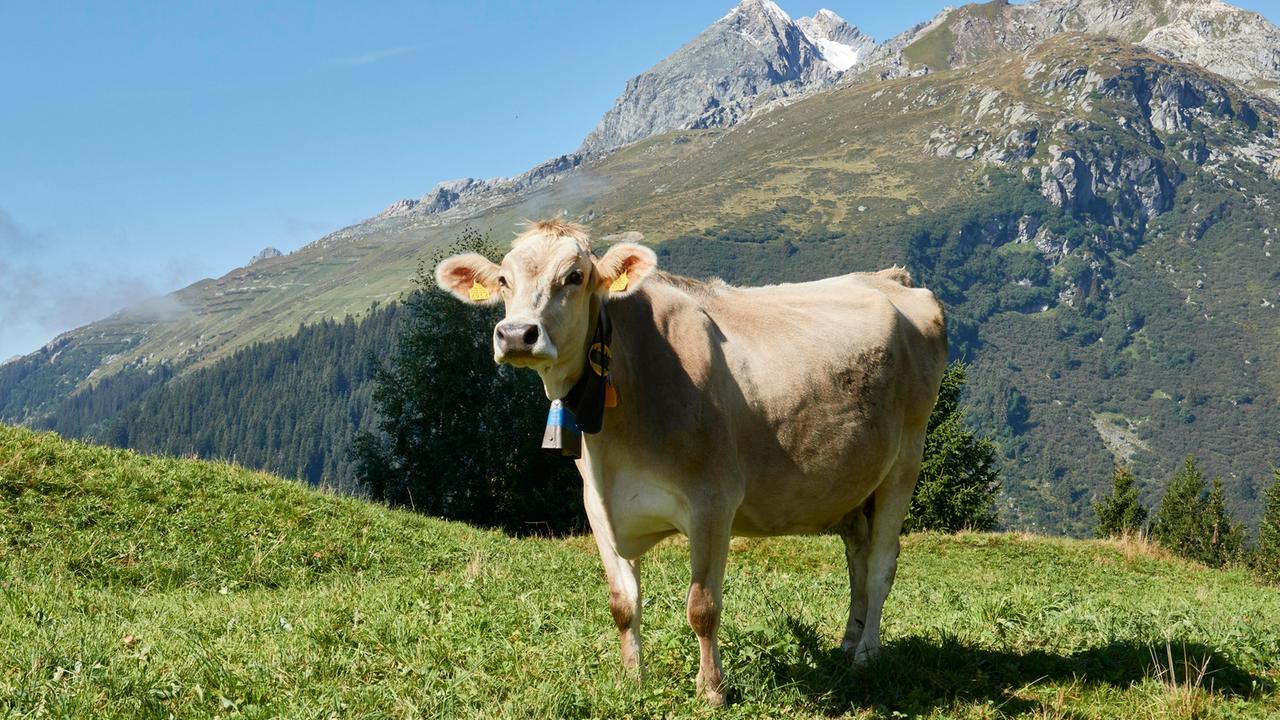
[(133, 586)]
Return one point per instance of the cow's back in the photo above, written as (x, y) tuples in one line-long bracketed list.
[(831, 376)]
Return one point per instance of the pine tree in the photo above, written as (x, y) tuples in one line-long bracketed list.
[(1224, 540), (958, 479), (1179, 522), (1121, 512), (1195, 526), (1266, 555), (458, 436)]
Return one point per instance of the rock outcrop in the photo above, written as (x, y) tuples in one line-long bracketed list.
[(265, 254)]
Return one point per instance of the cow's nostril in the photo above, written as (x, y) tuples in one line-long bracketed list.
[(531, 335)]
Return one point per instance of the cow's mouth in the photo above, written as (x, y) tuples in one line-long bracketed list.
[(522, 359)]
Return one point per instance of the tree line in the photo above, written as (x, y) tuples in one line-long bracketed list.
[(291, 406), (1192, 520)]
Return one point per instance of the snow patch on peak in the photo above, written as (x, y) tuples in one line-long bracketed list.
[(840, 44), (838, 55)]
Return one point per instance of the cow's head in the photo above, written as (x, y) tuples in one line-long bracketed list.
[(550, 283)]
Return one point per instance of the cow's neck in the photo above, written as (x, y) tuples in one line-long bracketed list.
[(558, 379)]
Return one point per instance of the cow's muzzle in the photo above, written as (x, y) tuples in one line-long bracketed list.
[(518, 343)]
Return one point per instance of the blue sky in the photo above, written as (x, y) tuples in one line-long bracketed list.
[(144, 146)]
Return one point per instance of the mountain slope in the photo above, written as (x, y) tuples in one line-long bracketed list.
[(142, 587), (1223, 39)]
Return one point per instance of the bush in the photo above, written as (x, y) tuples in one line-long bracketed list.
[(1120, 513), (958, 478)]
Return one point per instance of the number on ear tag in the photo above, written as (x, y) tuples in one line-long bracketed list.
[(620, 283), (478, 291)]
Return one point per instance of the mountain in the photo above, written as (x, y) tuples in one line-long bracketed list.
[(1099, 217), (1223, 39), (753, 54)]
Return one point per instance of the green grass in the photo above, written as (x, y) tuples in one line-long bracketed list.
[(133, 586)]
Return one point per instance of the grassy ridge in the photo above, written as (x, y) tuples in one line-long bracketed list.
[(135, 586)]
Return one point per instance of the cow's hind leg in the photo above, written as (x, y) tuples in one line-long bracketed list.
[(855, 531), (891, 502), (708, 554)]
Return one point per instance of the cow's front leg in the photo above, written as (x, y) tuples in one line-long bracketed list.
[(624, 581), (624, 595), (708, 552)]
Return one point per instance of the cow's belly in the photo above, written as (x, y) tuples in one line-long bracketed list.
[(783, 511), (823, 466)]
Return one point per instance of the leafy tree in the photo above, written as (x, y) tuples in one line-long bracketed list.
[(1266, 555), (1120, 512), (459, 437), (1195, 526), (958, 478)]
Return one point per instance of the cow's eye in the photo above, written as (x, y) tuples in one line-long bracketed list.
[(502, 281), (574, 278)]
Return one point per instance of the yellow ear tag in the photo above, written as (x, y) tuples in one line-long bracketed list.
[(620, 283), (478, 291)]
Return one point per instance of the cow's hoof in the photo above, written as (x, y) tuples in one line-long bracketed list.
[(860, 656), (712, 693)]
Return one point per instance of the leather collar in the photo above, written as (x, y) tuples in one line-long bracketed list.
[(586, 399)]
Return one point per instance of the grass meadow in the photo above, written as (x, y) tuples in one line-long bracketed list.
[(133, 586)]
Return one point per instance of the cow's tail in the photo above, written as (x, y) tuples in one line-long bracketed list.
[(898, 275)]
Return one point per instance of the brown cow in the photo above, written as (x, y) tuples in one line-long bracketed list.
[(778, 410)]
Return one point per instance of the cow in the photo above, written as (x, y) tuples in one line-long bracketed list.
[(756, 411)]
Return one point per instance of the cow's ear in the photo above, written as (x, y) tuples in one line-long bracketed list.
[(470, 277), (623, 268)]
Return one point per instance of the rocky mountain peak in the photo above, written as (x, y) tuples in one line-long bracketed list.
[(753, 54), (265, 254), (758, 11), (399, 207)]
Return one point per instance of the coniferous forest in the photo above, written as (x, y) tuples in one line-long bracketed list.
[(290, 406)]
